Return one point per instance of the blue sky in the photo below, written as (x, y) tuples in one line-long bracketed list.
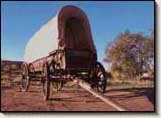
[(20, 20)]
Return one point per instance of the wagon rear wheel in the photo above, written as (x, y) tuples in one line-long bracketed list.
[(25, 79), (98, 78), (46, 82)]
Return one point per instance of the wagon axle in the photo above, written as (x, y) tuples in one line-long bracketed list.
[(96, 78)]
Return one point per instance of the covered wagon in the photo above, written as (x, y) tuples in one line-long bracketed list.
[(62, 50)]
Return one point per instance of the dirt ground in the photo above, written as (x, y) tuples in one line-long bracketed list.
[(71, 98)]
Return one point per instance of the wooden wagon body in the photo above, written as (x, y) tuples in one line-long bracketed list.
[(61, 48)]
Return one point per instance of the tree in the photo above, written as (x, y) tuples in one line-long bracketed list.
[(131, 54)]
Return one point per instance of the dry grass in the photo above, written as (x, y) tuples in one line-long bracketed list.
[(118, 83)]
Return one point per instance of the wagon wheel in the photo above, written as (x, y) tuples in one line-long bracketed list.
[(57, 85), (25, 79), (46, 82), (98, 78)]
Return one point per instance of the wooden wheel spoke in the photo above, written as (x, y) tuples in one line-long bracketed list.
[(100, 74)]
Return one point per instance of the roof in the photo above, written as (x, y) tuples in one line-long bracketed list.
[(48, 38)]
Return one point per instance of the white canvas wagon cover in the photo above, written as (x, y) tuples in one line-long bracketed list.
[(52, 34)]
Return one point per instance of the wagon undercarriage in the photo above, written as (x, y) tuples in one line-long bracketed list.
[(55, 79)]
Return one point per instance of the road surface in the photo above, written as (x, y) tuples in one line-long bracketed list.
[(71, 98)]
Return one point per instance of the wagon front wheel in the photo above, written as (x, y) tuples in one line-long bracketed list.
[(46, 82), (25, 79), (98, 78)]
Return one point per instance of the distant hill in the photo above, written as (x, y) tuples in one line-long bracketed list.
[(13, 65)]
